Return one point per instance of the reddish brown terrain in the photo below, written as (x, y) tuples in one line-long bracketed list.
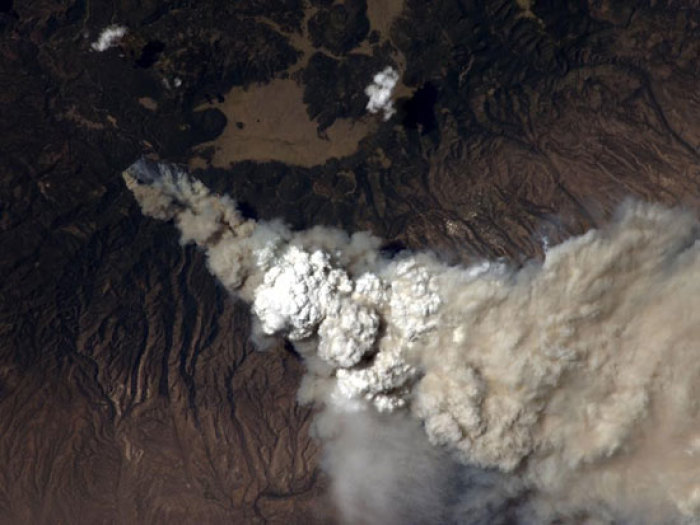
[(129, 389)]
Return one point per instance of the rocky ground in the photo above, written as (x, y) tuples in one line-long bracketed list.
[(129, 391)]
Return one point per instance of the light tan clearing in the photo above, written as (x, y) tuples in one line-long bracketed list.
[(275, 126), (381, 14), (525, 5), (526, 8), (73, 115), (148, 103)]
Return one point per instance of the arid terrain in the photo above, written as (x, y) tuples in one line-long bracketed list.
[(129, 389)]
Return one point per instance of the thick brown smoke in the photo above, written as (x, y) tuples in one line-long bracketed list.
[(577, 378)]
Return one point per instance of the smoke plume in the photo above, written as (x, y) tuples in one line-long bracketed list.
[(564, 390)]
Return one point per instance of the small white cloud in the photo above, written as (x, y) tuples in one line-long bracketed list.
[(109, 37), (380, 90)]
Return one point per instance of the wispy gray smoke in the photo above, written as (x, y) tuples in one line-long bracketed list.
[(575, 381), (386, 471)]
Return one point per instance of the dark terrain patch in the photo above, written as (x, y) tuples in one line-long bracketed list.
[(150, 53), (340, 27), (335, 88), (419, 110)]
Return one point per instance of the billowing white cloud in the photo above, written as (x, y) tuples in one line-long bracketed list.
[(109, 37), (577, 378), (380, 91)]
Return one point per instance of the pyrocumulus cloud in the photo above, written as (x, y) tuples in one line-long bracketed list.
[(573, 384)]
